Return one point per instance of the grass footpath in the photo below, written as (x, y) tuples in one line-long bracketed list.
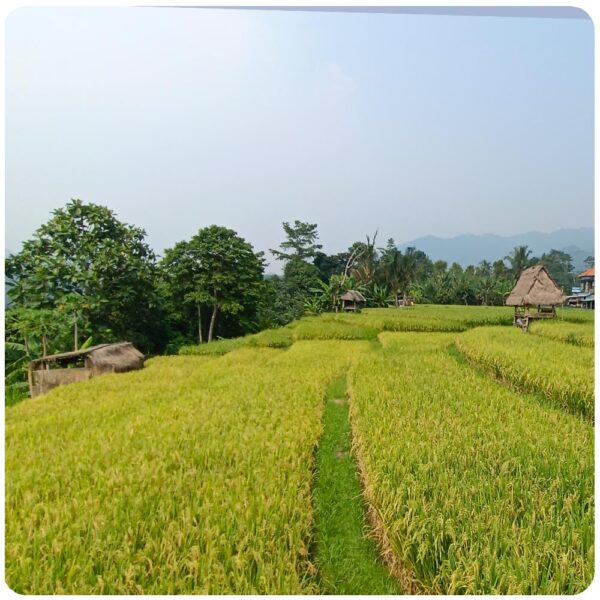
[(347, 559)]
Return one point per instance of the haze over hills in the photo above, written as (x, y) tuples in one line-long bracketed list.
[(469, 249)]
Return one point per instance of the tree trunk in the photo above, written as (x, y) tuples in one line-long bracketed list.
[(199, 325), (213, 320), (44, 345), (75, 336)]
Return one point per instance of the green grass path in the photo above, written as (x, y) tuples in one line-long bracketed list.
[(347, 559)]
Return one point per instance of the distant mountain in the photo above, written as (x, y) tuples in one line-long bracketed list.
[(471, 249)]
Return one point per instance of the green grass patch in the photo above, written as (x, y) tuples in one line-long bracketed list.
[(346, 557)]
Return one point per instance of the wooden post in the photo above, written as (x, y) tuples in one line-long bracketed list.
[(30, 379)]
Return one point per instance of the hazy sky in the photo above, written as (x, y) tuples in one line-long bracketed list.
[(416, 124)]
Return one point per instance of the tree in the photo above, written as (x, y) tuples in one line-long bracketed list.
[(216, 269), (392, 268), (365, 261), (330, 264), (85, 252), (277, 305), (560, 267), (589, 261), (519, 259), (300, 242), (409, 268), (329, 294), (178, 269)]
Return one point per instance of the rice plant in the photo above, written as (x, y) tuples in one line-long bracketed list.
[(562, 373), (191, 476), (479, 490), (578, 334)]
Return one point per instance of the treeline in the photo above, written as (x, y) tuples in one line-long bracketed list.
[(86, 278)]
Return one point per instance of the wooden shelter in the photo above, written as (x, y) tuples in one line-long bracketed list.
[(534, 296), (68, 367), (352, 300)]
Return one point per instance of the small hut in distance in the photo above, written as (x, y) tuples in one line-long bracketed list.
[(534, 296), (352, 301), (69, 367)]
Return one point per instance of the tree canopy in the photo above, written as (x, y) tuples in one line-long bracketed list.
[(85, 260), (300, 242), (215, 269)]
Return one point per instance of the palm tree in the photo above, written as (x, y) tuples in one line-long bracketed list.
[(408, 269), (364, 271), (391, 264), (520, 258)]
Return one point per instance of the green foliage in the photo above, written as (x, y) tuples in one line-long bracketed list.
[(85, 253), (300, 242), (327, 295), (278, 304), (380, 296), (216, 269), (300, 277), (519, 259), (560, 267)]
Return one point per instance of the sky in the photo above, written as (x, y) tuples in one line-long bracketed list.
[(411, 124)]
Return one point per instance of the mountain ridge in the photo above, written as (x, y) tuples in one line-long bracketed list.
[(470, 248)]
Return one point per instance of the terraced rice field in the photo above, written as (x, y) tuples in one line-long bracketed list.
[(563, 374), (248, 466), (479, 490), (578, 334)]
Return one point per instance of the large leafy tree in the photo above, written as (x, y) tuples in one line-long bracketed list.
[(84, 260), (300, 243), (216, 272), (298, 251), (560, 266)]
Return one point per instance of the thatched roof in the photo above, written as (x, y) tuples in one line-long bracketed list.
[(353, 296), (122, 355), (535, 287)]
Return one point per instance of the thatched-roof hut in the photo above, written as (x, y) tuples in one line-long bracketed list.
[(352, 300), (68, 367), (535, 296)]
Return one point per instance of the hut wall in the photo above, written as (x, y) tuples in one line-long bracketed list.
[(45, 380)]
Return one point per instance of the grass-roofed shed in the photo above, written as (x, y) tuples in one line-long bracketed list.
[(68, 367), (535, 296)]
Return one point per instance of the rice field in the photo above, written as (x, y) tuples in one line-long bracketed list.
[(471, 444), (191, 476), (479, 490), (578, 334), (562, 373)]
